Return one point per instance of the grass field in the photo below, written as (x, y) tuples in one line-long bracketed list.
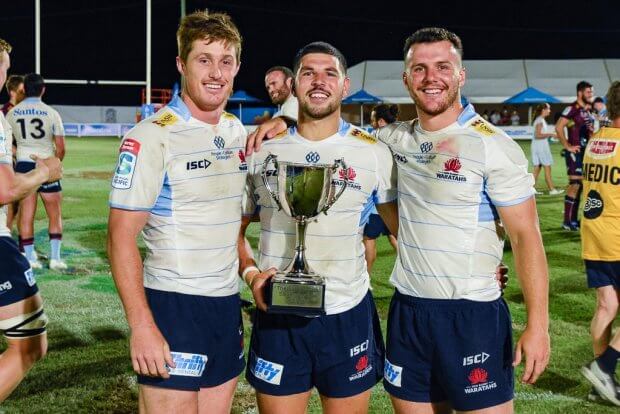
[(87, 368)]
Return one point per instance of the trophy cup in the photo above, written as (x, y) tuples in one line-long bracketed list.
[(303, 192)]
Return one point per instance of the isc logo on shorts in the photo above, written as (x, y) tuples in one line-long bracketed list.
[(393, 373), (188, 365), (6, 286), (268, 371)]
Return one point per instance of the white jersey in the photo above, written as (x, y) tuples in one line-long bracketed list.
[(450, 239), (334, 241), (190, 176), (34, 126), (290, 108), (6, 159)]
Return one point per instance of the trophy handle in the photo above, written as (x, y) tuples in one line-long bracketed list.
[(273, 194), (334, 196)]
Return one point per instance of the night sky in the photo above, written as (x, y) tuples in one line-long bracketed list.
[(105, 39)]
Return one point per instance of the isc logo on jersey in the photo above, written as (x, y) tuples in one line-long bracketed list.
[(268, 371), (126, 164), (393, 373), (187, 365)]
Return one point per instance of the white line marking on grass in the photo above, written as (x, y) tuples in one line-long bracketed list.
[(545, 396)]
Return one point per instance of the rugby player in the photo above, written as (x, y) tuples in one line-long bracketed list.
[(279, 85), (180, 179), (600, 241), (579, 122), (22, 320), (462, 185), (38, 130), (340, 353)]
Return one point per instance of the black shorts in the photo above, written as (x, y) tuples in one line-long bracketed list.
[(16, 278), (375, 227), (205, 335), (23, 167), (602, 274), (574, 162)]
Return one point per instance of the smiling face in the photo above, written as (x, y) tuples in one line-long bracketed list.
[(278, 87), (433, 76), (209, 72), (5, 64), (320, 85)]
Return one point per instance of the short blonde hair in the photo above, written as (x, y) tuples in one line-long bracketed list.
[(209, 26), (613, 100), (4, 47)]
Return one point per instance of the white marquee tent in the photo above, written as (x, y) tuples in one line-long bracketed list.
[(493, 81)]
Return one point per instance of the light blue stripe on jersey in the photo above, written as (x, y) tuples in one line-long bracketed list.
[(432, 224), (163, 204), (369, 208), (438, 204), (468, 113), (343, 127), (193, 224), (434, 250), (207, 176), (287, 233), (129, 208), (486, 210), (178, 106), (314, 260), (191, 250)]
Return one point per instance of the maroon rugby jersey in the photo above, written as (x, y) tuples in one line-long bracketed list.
[(580, 126)]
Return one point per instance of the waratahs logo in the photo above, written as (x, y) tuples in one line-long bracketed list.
[(477, 376), (479, 380), (243, 166), (361, 363), (452, 165), (362, 367), (349, 174), (451, 170)]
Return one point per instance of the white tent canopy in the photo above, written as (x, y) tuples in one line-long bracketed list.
[(494, 81)]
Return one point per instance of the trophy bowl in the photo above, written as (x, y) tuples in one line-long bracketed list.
[(303, 192)]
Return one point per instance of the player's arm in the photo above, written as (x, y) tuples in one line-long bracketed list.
[(521, 223), (248, 270), (59, 144), (14, 187), (149, 349), (561, 133), (538, 134), (267, 130), (389, 215)]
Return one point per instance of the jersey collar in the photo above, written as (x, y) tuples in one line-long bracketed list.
[(178, 106), (32, 99), (343, 127), (466, 115)]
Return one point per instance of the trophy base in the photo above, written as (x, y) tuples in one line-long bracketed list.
[(299, 294)]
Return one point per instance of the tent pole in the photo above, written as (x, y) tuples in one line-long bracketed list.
[(529, 115), (240, 113), (361, 115)]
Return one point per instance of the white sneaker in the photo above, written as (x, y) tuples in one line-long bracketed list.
[(58, 264), (604, 383), (555, 191), (35, 264), (539, 192)]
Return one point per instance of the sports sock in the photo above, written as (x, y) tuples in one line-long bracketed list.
[(575, 210), (20, 243), (608, 360), (569, 203), (55, 241), (28, 245)]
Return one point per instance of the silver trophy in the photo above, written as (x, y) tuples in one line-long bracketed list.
[(302, 191)]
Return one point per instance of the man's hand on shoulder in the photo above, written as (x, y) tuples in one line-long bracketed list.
[(266, 130)]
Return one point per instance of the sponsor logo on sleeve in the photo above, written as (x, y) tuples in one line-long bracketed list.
[(393, 373), (400, 158), (482, 127), (268, 371), (363, 135), (29, 275), (5, 287), (188, 365), (166, 119), (567, 110), (479, 380), (126, 164)]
